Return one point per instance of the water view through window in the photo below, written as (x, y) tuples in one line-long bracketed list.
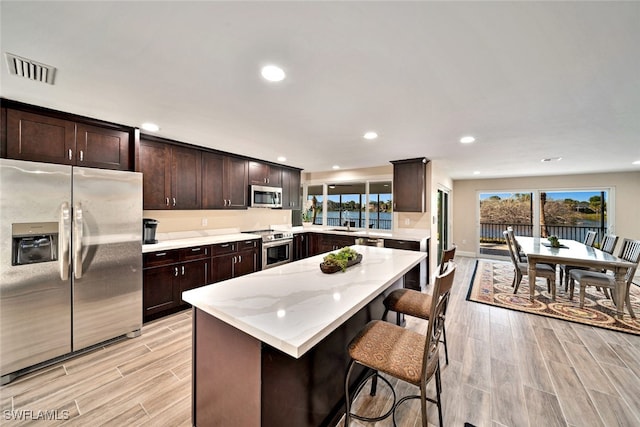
[(566, 214), (346, 205)]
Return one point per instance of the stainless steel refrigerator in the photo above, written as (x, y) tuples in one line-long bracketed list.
[(70, 260)]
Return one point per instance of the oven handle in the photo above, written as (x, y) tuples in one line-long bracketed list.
[(277, 243)]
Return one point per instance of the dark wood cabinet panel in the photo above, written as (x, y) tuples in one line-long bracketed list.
[(300, 246), (102, 148), (171, 176), (221, 268), (42, 138), (186, 178), (264, 174), (290, 188), (224, 182), (236, 182), (155, 165), (245, 263), (409, 185), (331, 242), (166, 274), (193, 275), (234, 259), (412, 278), (159, 293)]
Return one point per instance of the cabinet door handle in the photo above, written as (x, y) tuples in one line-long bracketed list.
[(81, 155), (175, 271), (196, 249), (226, 245), (174, 202), (161, 254), (239, 258), (70, 154), (167, 200), (183, 270)]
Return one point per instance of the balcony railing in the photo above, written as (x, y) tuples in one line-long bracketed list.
[(492, 232), (382, 224)]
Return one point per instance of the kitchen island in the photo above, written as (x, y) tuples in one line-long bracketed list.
[(269, 348)]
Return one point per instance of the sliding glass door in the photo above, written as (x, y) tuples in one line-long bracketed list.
[(568, 214)]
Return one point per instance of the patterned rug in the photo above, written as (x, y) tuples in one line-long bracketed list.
[(491, 284)]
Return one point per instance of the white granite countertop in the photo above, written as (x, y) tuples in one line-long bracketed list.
[(185, 239), (294, 306), (415, 236)]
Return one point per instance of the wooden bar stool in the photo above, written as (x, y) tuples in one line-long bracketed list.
[(417, 304), (404, 354)]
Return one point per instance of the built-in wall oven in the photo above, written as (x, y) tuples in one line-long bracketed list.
[(277, 247)]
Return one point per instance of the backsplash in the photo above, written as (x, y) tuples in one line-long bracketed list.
[(244, 220)]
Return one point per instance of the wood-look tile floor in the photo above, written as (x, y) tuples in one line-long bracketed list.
[(506, 368)]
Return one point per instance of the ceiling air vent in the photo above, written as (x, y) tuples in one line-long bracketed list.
[(29, 69)]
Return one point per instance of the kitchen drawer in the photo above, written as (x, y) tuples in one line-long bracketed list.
[(195, 253), (402, 244), (223, 248), (248, 244), (154, 259)]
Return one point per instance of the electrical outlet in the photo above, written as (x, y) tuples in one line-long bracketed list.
[(205, 221), (407, 221)]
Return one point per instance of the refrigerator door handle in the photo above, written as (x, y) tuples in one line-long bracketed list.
[(77, 241), (64, 232)]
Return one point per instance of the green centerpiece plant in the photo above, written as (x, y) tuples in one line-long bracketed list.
[(555, 243), (340, 258)]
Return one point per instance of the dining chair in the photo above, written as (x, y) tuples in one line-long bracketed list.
[(417, 304), (522, 268), (403, 354), (630, 251), (589, 240)]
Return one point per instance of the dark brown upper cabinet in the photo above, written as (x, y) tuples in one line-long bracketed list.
[(409, 185), (224, 181), (264, 174), (42, 138), (171, 176), (290, 188)]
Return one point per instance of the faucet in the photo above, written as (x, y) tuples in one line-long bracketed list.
[(346, 216)]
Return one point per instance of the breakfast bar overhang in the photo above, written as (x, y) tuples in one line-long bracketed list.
[(270, 348)]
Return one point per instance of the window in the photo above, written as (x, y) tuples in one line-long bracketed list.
[(350, 204)]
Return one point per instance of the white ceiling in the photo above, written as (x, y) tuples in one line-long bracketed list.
[(528, 80)]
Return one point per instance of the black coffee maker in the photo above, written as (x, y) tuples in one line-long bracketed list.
[(149, 230)]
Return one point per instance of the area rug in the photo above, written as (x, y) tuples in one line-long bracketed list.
[(491, 284)]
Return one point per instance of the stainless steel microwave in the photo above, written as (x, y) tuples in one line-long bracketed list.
[(265, 197)]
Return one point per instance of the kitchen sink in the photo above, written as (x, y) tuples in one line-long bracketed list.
[(344, 230)]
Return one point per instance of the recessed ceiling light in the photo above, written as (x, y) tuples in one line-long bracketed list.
[(637, 162), (273, 73), (551, 159), (282, 159), (467, 139), (370, 135), (151, 127), (476, 172), (336, 167)]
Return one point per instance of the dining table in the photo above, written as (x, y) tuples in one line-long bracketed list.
[(571, 252)]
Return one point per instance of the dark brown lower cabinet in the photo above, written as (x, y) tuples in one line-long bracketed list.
[(234, 259), (413, 277), (166, 274)]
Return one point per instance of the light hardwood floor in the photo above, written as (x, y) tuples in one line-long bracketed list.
[(506, 369)]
